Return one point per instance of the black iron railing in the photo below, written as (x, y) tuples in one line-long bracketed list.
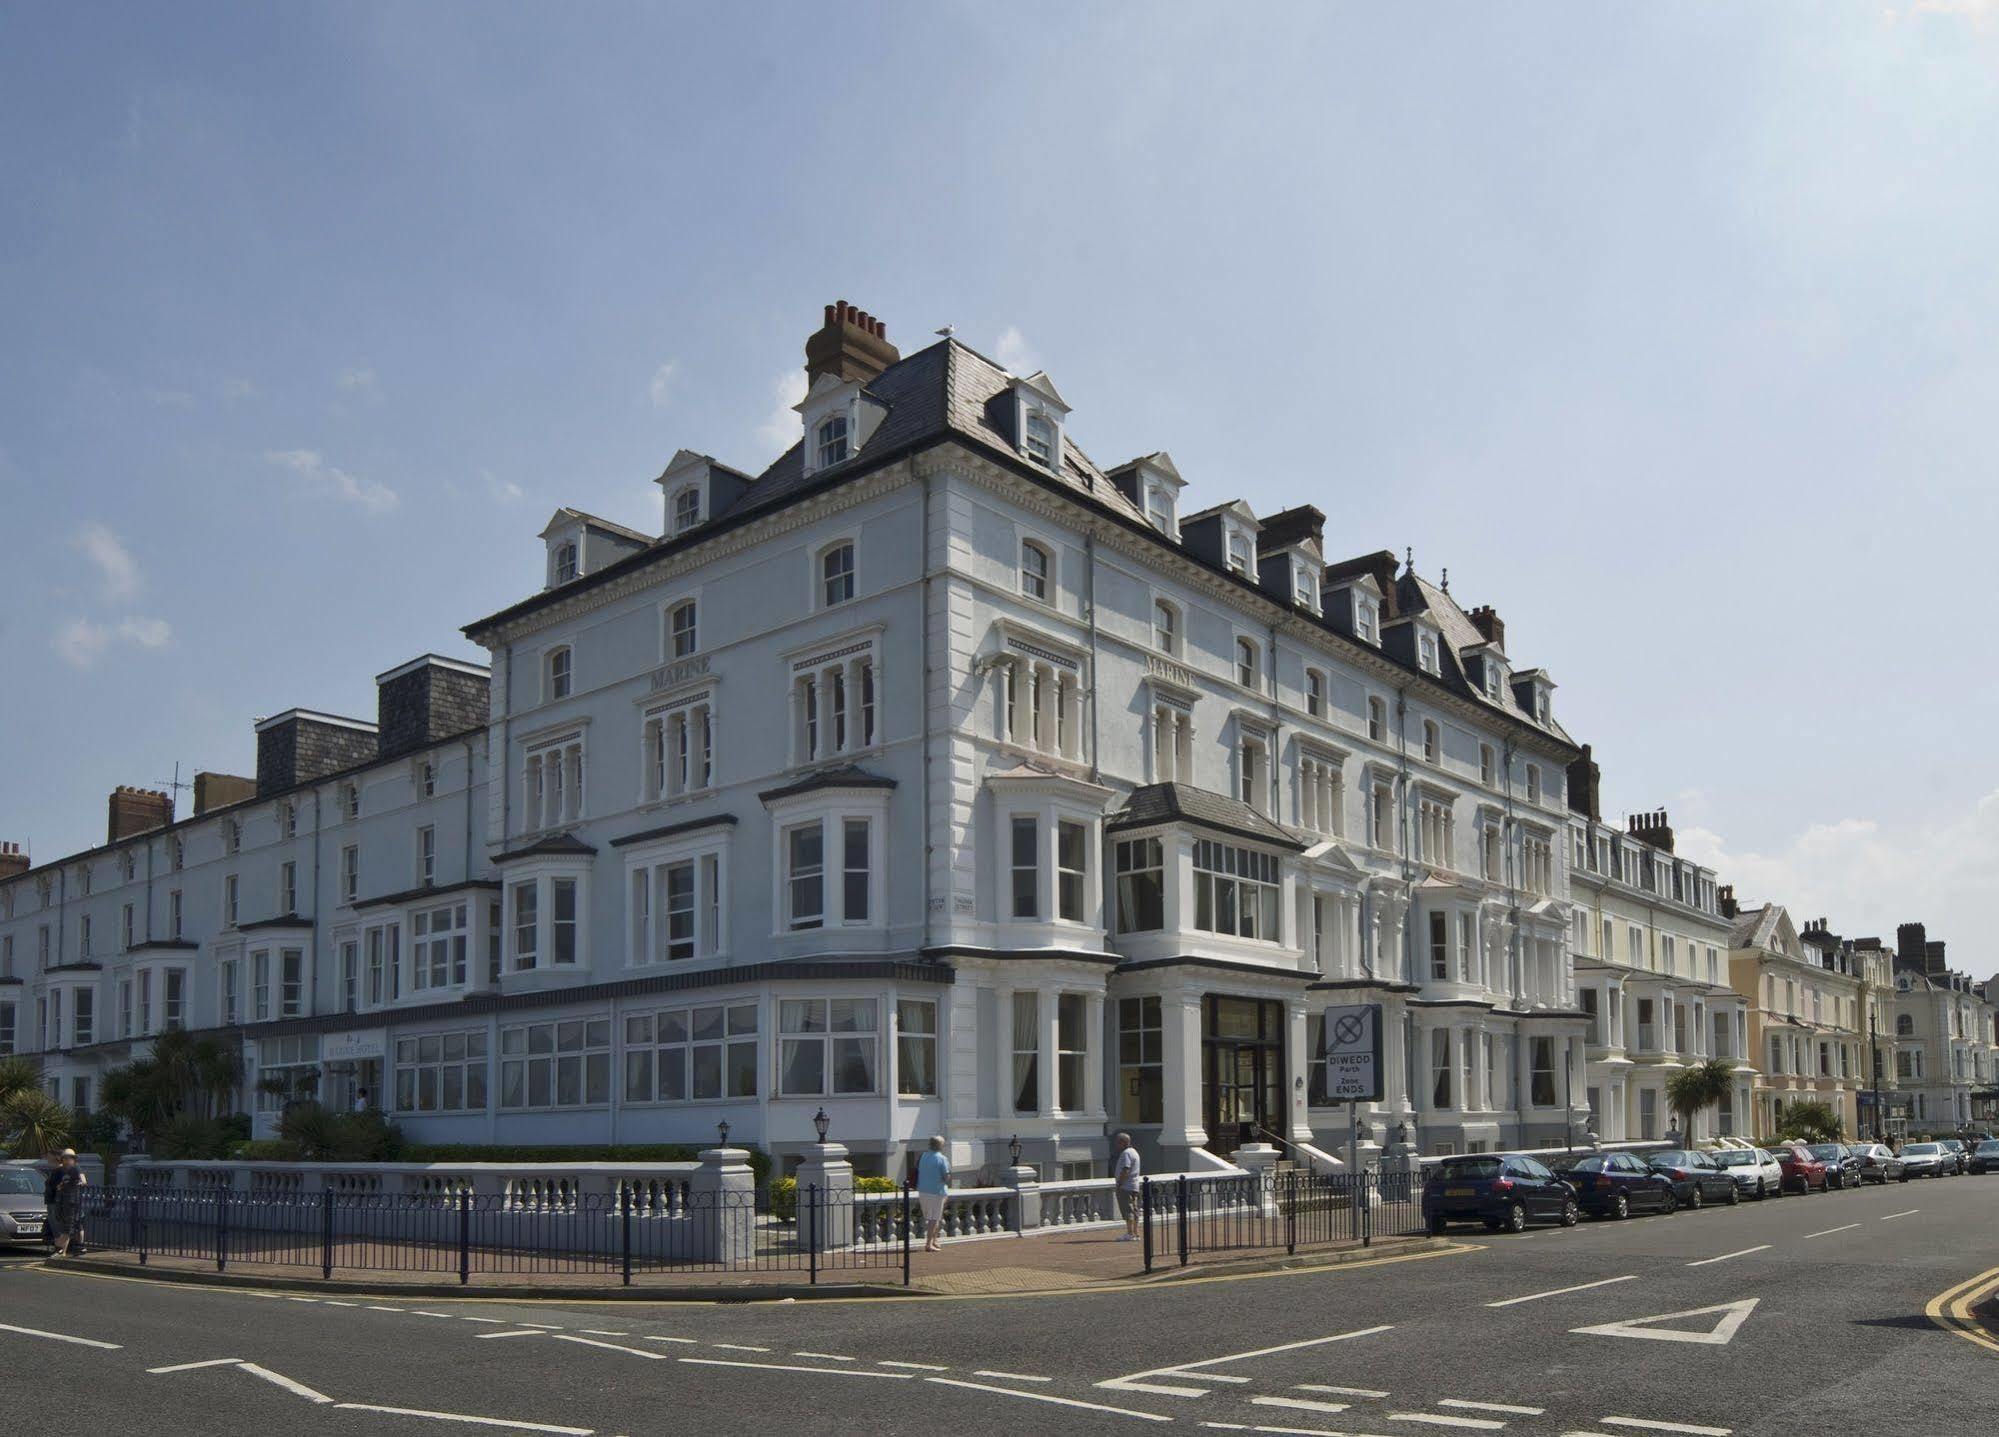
[(1190, 1214), (461, 1233)]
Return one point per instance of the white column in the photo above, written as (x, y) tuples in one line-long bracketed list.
[(1018, 709), (1093, 1066), (1047, 1006), (1003, 1066), (1181, 1043), (853, 685)]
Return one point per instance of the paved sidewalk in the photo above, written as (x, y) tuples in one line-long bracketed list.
[(1068, 1260)]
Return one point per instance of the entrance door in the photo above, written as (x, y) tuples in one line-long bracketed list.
[(1242, 1072)]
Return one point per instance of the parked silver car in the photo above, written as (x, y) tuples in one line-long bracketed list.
[(22, 1213), (1925, 1160)]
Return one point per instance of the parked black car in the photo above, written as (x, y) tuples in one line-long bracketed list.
[(1617, 1185), (1697, 1179), (1878, 1164), (1842, 1163), (1985, 1157), (1502, 1190)]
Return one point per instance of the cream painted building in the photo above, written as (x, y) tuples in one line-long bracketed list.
[(1805, 1021)]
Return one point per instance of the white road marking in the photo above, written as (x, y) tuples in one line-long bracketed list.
[(913, 1366), (1299, 1404), (688, 1340), (1893, 1215), (301, 1299), (496, 1321), (1443, 1419), (1734, 1314), (605, 1332), (1849, 1227), (1560, 1291), (191, 1366), (525, 1332), (740, 1347), (1493, 1407), (1051, 1397), (821, 1356), (1337, 1391), (1709, 1261), (1012, 1376), (465, 1417), (1683, 1427), (278, 1379), (373, 1308), (1191, 1371), (611, 1347), (59, 1337), (419, 1312), (784, 1367), (545, 1326), (336, 1302)]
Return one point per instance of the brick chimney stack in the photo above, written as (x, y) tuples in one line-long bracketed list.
[(12, 860), (1585, 779), (1652, 828), (852, 345), (136, 810), (1724, 898), (1909, 940), (1488, 623), (1933, 959)]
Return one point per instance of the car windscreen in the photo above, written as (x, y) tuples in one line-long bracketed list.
[(1827, 1152), (1735, 1158), (1671, 1158), (1920, 1150), (1468, 1169), (1988, 1148), (20, 1182)]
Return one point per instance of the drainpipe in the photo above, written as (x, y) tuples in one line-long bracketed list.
[(316, 935), (1096, 716), (1276, 726), (468, 810), (1410, 1063), (929, 937), (1513, 942)]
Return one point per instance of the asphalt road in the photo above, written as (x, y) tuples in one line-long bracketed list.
[(1812, 1310)]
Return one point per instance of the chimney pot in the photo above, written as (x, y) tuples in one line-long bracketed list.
[(853, 345)]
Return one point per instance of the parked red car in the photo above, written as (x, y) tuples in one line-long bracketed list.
[(1802, 1171)]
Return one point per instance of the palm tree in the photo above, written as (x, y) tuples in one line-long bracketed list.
[(17, 1075), (218, 1071), (35, 1123), (1693, 1090)]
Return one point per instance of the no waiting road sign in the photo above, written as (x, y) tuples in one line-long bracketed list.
[(1353, 1053)]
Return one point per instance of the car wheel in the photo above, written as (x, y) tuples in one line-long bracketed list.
[(1620, 1206), (1515, 1219), (1437, 1225), (1670, 1204), (1694, 1202), (1734, 1195), (1905, 1176), (1761, 1191), (1571, 1214)]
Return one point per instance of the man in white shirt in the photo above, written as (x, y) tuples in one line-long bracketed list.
[(1124, 1172)]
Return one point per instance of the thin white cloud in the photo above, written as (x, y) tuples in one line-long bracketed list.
[(779, 429), (501, 491), (82, 642), (328, 479), (1015, 354), (358, 380), (170, 398), (238, 389), (662, 383), (116, 568)]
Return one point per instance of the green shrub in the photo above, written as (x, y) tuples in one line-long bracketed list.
[(267, 1150), (188, 1136), (784, 1194)]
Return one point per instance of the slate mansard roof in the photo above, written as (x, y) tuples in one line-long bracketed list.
[(1157, 803)]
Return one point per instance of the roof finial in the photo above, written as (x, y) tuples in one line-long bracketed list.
[(1447, 580), (1409, 558)]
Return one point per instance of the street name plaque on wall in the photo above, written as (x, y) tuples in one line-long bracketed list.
[(1353, 1053)]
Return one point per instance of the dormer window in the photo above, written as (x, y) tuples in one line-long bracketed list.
[(832, 441), (1166, 627), (1241, 553), (1305, 586), (1035, 565), (565, 561), (1541, 705), (686, 509), (1367, 619), (1493, 681), (1038, 440), (1426, 652), (1159, 508)]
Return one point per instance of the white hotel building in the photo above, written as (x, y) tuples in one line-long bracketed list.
[(934, 776)]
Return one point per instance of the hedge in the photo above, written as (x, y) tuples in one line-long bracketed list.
[(784, 1194)]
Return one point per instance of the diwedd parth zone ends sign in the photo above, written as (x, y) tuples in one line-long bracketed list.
[(1353, 1053)]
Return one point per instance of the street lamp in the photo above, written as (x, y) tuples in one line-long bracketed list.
[(820, 1122), (1874, 1051), (723, 1128), (1013, 1151)]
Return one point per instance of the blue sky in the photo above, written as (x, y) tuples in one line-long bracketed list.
[(1667, 329)]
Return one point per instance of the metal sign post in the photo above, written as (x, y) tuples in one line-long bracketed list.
[(1353, 1065)]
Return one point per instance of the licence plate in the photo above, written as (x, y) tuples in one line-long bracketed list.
[(1460, 1192), (27, 1229)]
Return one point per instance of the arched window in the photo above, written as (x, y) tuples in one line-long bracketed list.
[(836, 575), (565, 562), (686, 509), (1166, 627), (832, 439), (1035, 566), (558, 684), (1246, 667), (1905, 1026), (1433, 743), (1040, 441), (1315, 693), (682, 637)]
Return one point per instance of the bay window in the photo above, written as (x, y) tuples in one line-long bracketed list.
[(1072, 1051), (441, 1072), (546, 922), (1141, 1060), (916, 1048), (1026, 1053), (826, 1046), (1236, 891), (1141, 885), (701, 1053), (563, 1064), (439, 943)]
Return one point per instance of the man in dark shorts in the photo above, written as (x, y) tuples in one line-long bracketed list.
[(1124, 1171)]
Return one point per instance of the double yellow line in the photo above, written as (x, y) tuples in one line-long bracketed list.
[(1952, 1309)]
